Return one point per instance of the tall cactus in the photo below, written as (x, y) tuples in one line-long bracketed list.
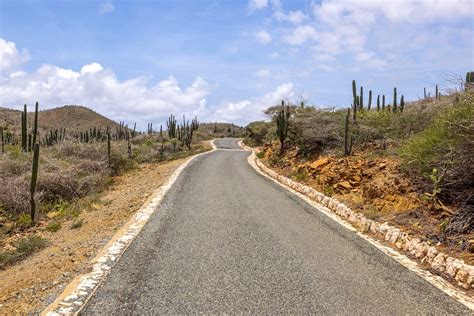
[(2, 141), (24, 123), (402, 103), (354, 94), (383, 102), (109, 160), (171, 124), (370, 100), (361, 98), (35, 126), (282, 125), (469, 84), (378, 102), (436, 92), (424, 93), (347, 136), (34, 178), (394, 99)]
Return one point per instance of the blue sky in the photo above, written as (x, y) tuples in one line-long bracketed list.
[(225, 60)]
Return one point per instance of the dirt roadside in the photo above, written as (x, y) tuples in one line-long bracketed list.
[(34, 283)]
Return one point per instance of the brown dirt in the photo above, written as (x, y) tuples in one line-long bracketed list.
[(377, 187), (35, 282)]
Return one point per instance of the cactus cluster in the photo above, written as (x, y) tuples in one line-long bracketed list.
[(358, 102), (171, 124)]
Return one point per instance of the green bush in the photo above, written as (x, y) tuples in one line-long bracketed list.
[(53, 227), (449, 130)]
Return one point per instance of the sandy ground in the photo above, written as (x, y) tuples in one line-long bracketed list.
[(34, 283)]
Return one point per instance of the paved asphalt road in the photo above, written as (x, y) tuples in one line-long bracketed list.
[(227, 240)]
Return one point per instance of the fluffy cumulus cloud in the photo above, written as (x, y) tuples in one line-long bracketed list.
[(132, 100), (360, 28), (257, 4), (100, 89), (252, 109), (263, 37), (10, 57)]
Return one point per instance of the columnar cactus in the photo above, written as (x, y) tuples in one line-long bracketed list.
[(361, 98), (354, 94), (370, 100), (394, 99), (171, 124), (347, 136), (383, 102), (34, 178), (378, 102), (35, 126), (436, 92), (424, 93), (109, 160), (24, 123), (469, 84), (282, 125), (2, 141), (402, 103)]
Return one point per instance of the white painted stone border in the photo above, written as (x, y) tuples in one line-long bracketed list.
[(455, 268), (78, 292)]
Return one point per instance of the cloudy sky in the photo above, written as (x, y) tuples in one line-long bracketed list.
[(225, 60)]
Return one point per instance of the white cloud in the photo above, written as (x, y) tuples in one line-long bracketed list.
[(257, 4), (106, 7), (353, 26), (295, 17), (246, 111), (300, 35), (263, 37), (10, 57), (262, 73), (100, 89)]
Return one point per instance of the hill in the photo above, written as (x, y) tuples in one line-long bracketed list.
[(75, 118)]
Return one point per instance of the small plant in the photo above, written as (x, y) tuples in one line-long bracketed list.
[(260, 154), (53, 227), (77, 223), (24, 248), (23, 221)]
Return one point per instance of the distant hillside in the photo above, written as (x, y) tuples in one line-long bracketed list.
[(72, 117)]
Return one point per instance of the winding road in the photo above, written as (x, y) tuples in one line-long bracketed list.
[(228, 240)]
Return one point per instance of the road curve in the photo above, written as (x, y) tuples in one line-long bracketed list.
[(227, 240)]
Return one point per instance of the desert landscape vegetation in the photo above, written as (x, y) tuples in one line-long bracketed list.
[(314, 157)]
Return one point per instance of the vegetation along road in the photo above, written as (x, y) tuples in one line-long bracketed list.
[(227, 240)]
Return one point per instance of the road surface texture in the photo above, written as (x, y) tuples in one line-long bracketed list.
[(227, 240)]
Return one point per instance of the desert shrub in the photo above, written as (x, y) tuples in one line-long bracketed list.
[(314, 131), (257, 133), (53, 227), (23, 222), (446, 144), (77, 223), (24, 248)]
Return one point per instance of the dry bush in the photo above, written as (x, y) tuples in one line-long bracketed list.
[(68, 171), (314, 131)]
